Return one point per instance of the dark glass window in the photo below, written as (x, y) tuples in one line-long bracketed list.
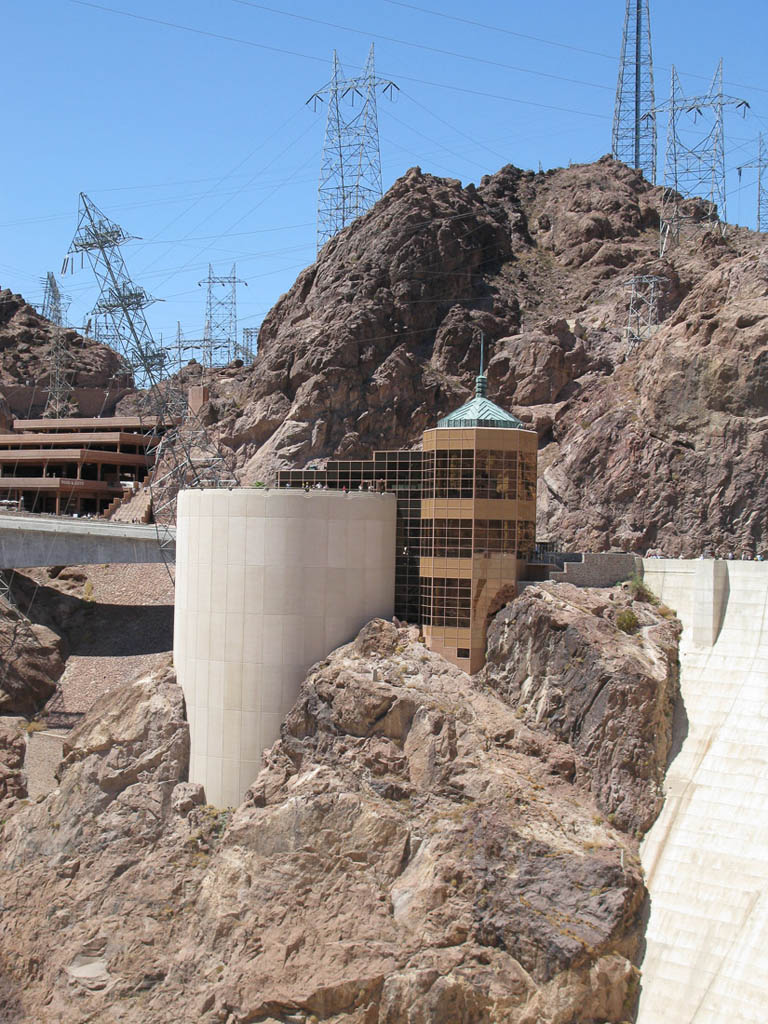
[(496, 474), (495, 535), (526, 537), (446, 602), (446, 538), (448, 474), (527, 477)]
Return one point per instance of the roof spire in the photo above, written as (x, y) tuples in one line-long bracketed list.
[(481, 381)]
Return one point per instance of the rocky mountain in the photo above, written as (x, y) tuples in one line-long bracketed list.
[(417, 846), (25, 350), (659, 449)]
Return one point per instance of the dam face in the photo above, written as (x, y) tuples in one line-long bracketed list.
[(706, 857)]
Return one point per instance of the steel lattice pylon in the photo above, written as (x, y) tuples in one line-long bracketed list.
[(249, 348), (762, 185), (184, 453), (59, 387), (697, 170), (350, 175), (120, 299), (761, 163), (634, 118), (220, 332), (643, 316)]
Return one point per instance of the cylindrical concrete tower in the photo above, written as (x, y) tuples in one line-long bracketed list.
[(267, 583)]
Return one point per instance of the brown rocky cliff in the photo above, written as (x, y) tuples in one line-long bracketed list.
[(558, 656), (25, 349), (380, 337), (412, 849), (31, 662)]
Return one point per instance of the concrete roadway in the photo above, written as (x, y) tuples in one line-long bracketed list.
[(27, 541)]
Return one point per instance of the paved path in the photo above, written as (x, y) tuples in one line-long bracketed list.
[(27, 541), (43, 756)]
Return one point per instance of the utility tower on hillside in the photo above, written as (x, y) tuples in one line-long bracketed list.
[(350, 175), (760, 162), (219, 345), (695, 169), (59, 389), (185, 455), (762, 184), (643, 316), (52, 308), (250, 345), (120, 300), (634, 117)]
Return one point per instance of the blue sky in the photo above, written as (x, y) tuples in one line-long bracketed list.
[(204, 148)]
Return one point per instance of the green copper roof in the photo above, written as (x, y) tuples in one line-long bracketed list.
[(481, 412)]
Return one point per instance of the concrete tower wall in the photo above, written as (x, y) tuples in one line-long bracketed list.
[(267, 583), (705, 857)]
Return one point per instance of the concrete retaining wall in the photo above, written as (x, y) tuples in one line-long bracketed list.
[(705, 858), (598, 569), (267, 583)]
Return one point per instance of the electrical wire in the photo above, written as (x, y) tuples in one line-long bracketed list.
[(552, 42), (423, 46), (295, 53)]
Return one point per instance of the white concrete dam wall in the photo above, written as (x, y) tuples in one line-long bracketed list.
[(267, 583), (706, 858)]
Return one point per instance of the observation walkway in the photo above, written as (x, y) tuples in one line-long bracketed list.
[(28, 541)]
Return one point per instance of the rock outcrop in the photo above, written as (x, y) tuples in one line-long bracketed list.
[(31, 662), (25, 347), (12, 748), (414, 849), (560, 657)]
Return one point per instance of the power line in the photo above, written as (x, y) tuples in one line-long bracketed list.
[(294, 53), (550, 42), (422, 46), (504, 31), (198, 31)]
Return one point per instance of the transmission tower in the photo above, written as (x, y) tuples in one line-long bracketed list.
[(695, 170), (220, 332), (184, 453), (52, 301), (53, 309), (762, 185), (250, 346), (120, 300), (643, 317), (350, 175), (761, 163), (634, 117)]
